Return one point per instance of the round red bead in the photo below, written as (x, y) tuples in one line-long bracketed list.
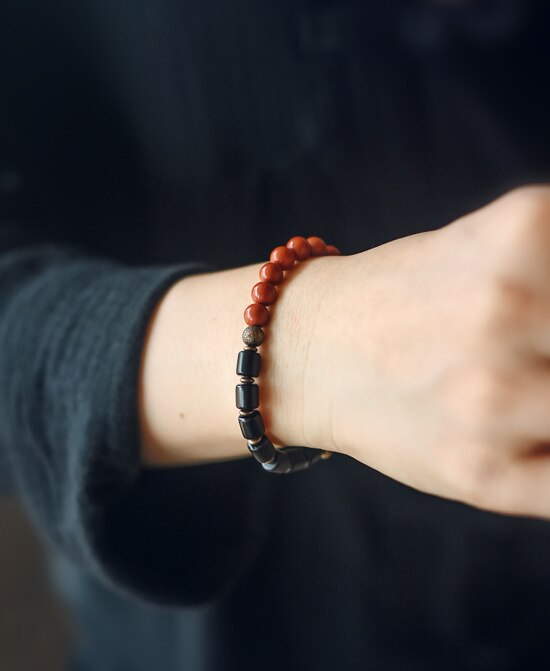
[(317, 245), (284, 256), (256, 315), (264, 293), (300, 246), (271, 272), (331, 250)]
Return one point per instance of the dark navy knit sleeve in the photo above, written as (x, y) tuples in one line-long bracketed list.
[(71, 334)]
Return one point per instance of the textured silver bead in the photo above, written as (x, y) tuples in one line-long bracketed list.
[(253, 336)]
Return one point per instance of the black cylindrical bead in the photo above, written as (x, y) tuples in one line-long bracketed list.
[(248, 363), (247, 397), (264, 451), (252, 425), (293, 459)]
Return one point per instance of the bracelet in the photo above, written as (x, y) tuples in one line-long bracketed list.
[(264, 293)]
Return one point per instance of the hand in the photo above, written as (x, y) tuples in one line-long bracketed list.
[(428, 358)]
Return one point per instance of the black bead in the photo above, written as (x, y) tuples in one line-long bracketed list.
[(248, 363), (292, 459), (252, 425), (264, 451), (247, 396)]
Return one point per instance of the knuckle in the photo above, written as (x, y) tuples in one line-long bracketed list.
[(492, 398), (478, 396), (503, 307), (526, 212), (531, 201)]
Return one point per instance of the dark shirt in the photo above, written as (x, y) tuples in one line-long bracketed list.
[(142, 141)]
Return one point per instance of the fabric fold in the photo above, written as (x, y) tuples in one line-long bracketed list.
[(71, 335)]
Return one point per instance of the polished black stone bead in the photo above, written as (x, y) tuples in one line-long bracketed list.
[(252, 426), (248, 363), (292, 459), (264, 451), (247, 396)]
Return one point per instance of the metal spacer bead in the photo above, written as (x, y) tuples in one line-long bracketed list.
[(247, 380), (254, 349), (243, 413), (255, 442)]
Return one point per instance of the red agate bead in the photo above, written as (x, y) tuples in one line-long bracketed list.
[(284, 256), (300, 246), (256, 315), (271, 272), (317, 245), (264, 293)]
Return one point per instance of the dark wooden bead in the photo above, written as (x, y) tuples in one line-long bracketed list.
[(256, 314), (318, 245), (284, 256), (247, 397), (252, 425), (253, 336), (249, 363), (264, 293), (271, 272), (300, 246), (264, 451)]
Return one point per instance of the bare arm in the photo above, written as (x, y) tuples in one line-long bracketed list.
[(426, 358), (188, 372)]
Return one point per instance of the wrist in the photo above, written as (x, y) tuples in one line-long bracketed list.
[(188, 365), (297, 391), (188, 368)]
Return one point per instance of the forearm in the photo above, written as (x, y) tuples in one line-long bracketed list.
[(187, 411)]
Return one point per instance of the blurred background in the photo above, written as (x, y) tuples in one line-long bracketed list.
[(103, 125), (35, 626)]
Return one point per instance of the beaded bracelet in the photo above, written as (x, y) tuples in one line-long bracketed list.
[(256, 315)]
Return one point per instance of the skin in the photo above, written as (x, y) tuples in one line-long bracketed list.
[(427, 358)]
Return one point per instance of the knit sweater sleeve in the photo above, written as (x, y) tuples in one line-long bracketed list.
[(71, 334)]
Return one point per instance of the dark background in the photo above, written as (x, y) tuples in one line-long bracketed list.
[(156, 132)]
